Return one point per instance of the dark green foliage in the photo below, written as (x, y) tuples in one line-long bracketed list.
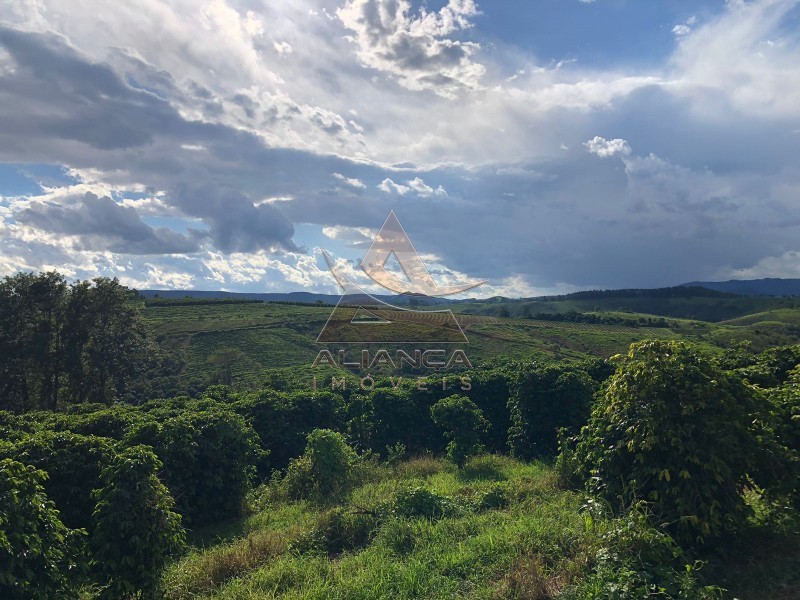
[(772, 367), (222, 362), (76, 343), (785, 402), (567, 467), (209, 455), (338, 530), (136, 529), (73, 463), (37, 552), (422, 503), (496, 497), (637, 561), (544, 399), (490, 392), (325, 469), (397, 416), (284, 420), (676, 431), (463, 424)]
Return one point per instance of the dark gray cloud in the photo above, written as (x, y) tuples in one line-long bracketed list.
[(103, 224), (59, 107)]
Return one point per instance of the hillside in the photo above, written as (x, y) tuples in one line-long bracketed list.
[(268, 336), (771, 286)]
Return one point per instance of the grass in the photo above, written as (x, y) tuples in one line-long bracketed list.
[(466, 554), (538, 544)]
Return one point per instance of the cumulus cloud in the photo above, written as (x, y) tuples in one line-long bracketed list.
[(416, 49), (424, 190), (747, 58), (390, 187), (606, 148), (101, 223), (358, 237), (353, 182)]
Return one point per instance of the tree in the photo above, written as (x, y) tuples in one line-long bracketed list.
[(136, 529), (676, 431), (107, 343), (223, 361), (85, 340), (31, 339), (463, 424)]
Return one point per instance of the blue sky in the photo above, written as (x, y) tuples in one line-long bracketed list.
[(543, 145)]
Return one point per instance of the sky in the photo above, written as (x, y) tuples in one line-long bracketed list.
[(544, 146)]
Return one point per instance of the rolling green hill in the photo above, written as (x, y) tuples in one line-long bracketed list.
[(709, 308), (268, 336)]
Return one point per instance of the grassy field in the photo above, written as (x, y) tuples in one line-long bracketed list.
[(277, 336), (538, 543)]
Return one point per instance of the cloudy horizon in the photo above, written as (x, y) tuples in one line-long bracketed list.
[(545, 147)]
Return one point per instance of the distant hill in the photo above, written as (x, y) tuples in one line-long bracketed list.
[(685, 291), (265, 297), (304, 297), (752, 287)]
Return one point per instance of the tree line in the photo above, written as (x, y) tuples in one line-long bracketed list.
[(63, 343)]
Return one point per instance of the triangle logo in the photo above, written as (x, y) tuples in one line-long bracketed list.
[(364, 316)]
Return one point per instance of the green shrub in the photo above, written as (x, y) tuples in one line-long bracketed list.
[(73, 464), (785, 401), (676, 431), (490, 393), (398, 416), (543, 400), (325, 469), (422, 503), (338, 530), (136, 529), (37, 552), (395, 454), (283, 421), (463, 424), (109, 422), (399, 535), (494, 498), (633, 560), (209, 457), (567, 467), (772, 367)]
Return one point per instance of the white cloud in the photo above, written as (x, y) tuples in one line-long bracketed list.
[(355, 236), (283, 47), (162, 278), (424, 190), (351, 181), (787, 265), (746, 58), (683, 29), (390, 187), (606, 148), (416, 49)]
